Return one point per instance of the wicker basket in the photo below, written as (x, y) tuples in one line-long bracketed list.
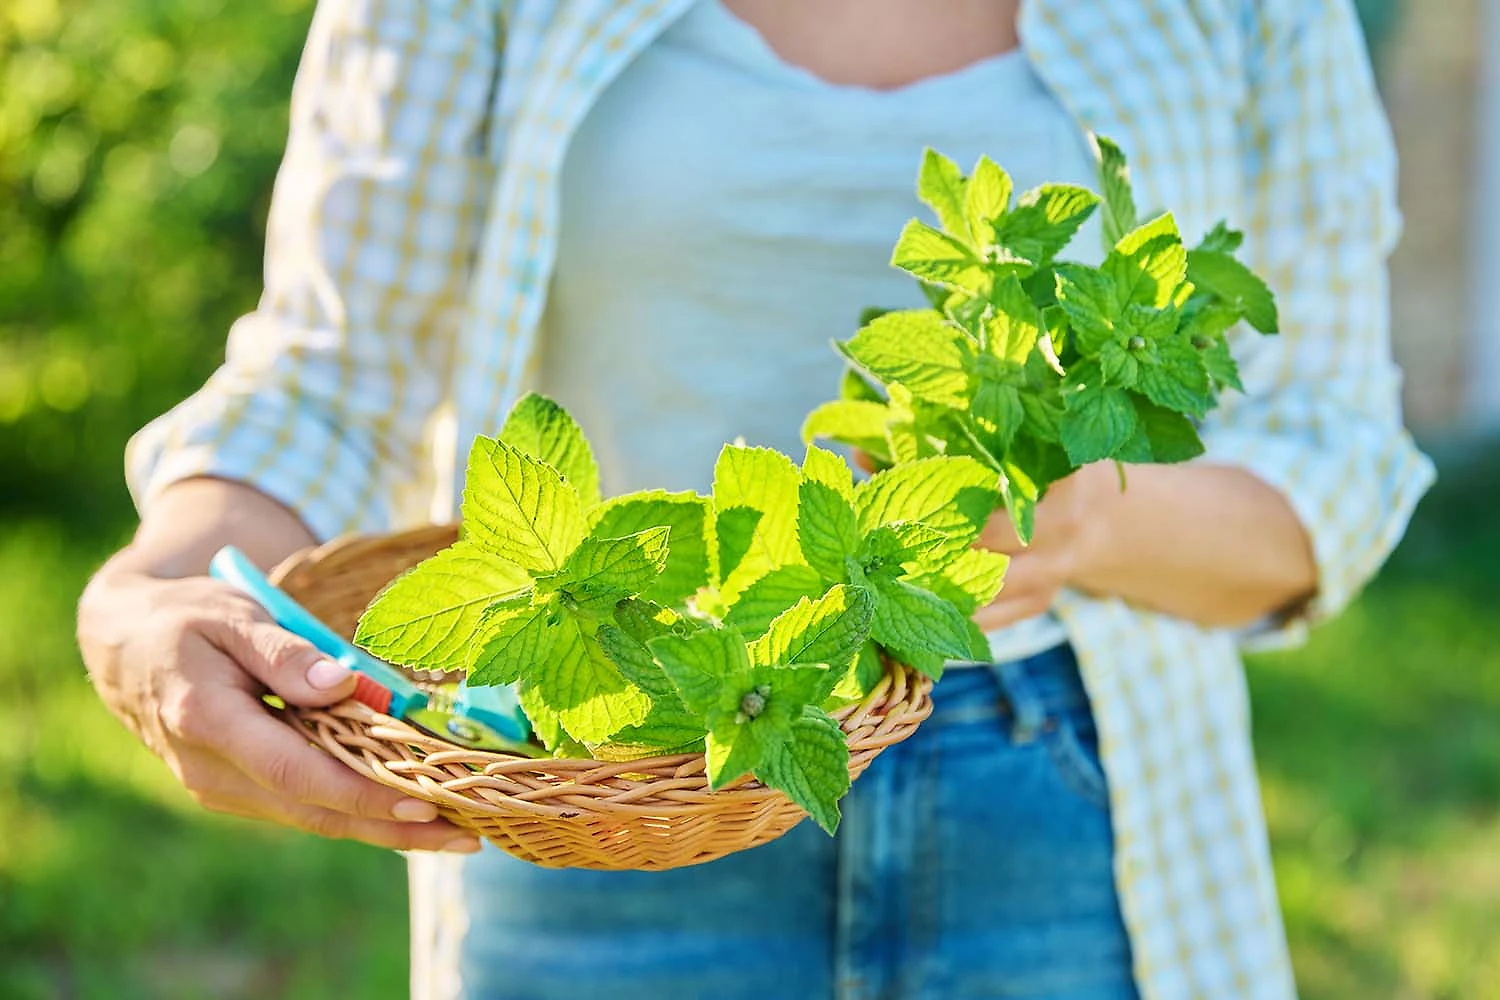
[(651, 814)]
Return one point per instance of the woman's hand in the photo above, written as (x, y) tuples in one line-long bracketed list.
[(1067, 522), (184, 661), (1206, 543)]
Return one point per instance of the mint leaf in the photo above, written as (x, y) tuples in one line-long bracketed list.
[(1235, 284), (827, 529), (938, 258), (1014, 325), (575, 679), (1119, 365), (427, 618), (854, 386), (686, 514), (604, 570), (733, 749), (1148, 265), (1114, 183), (918, 627), (919, 349), (811, 768), (1087, 298), (940, 185), (1179, 381), (734, 533), (1220, 239), (858, 423), (1044, 220), (1097, 423), (1205, 316), (968, 582), (759, 604), (912, 425), (542, 429), (702, 664), (998, 412), (668, 725), (787, 690), (1220, 365), (767, 482), (829, 630), (869, 667), (519, 635), (986, 200), (544, 721), (518, 508), (890, 548), (820, 465), (1172, 437), (1021, 487), (951, 494)]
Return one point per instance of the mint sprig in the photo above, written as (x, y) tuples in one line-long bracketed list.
[(1035, 365)]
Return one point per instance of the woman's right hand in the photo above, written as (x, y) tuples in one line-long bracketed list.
[(183, 662)]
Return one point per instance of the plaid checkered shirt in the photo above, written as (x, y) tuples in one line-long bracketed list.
[(412, 234)]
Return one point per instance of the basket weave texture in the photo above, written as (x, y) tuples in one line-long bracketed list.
[(649, 814)]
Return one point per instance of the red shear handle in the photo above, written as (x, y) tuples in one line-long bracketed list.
[(373, 693)]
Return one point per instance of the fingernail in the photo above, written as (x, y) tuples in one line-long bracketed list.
[(414, 811), (327, 674), (462, 845)]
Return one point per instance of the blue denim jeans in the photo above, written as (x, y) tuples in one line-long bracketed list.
[(974, 860)]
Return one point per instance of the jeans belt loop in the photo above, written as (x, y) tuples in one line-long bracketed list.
[(1028, 716)]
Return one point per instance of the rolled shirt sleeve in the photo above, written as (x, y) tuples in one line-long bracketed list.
[(1320, 420), (326, 393)]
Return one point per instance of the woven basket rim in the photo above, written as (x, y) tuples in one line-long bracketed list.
[(647, 786)]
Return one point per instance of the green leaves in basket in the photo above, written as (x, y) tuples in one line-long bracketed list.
[(760, 699), (917, 520), (1034, 365), (429, 618), (521, 599)]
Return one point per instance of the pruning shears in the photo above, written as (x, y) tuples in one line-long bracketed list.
[(480, 718)]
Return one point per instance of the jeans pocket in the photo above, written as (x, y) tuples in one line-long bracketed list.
[(1074, 746)]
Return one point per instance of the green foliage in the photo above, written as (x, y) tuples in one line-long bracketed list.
[(788, 587), (1036, 366), (657, 622), (137, 146)]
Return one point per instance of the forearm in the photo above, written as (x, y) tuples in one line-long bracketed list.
[(1209, 543), (194, 518)]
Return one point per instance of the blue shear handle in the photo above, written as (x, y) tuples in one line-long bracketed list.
[(234, 568), (496, 707)]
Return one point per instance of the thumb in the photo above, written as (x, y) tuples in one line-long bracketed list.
[(288, 665)]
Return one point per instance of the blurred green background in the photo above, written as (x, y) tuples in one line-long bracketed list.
[(137, 143)]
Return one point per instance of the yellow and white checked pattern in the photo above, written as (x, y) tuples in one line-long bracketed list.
[(412, 235)]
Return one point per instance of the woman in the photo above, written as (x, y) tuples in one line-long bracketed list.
[(659, 211)]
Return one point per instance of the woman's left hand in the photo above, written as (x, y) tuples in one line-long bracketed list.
[(1067, 523)]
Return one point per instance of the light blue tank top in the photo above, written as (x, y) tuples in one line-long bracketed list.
[(724, 215)]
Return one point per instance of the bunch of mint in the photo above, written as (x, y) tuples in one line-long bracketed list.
[(728, 624), (1034, 365), (731, 624)]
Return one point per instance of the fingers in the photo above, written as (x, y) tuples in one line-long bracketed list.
[(217, 786), (288, 665), (281, 761)]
